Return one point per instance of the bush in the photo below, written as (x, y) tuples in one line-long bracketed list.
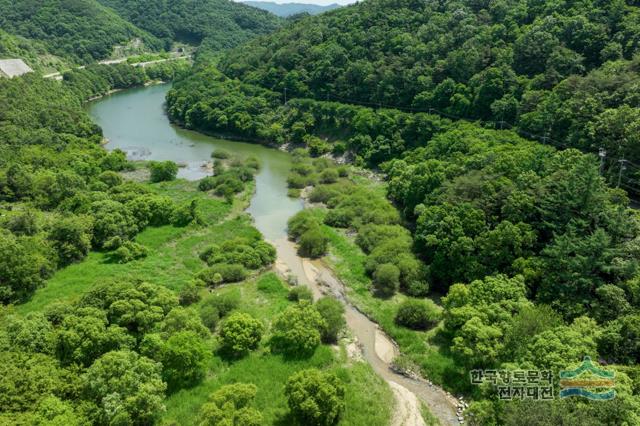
[(240, 333), (110, 178), (332, 311), (223, 273), (220, 154), (417, 314), (300, 292), (162, 171), (128, 251), (185, 214), (296, 331), (207, 183), (314, 397), (313, 243), (300, 223), (223, 303), (386, 279), (371, 236), (190, 293), (209, 316), (329, 176), (323, 193)]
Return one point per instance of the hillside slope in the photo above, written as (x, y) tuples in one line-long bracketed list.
[(81, 30), (223, 23), (508, 62)]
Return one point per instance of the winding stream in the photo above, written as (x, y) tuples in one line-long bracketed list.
[(135, 121)]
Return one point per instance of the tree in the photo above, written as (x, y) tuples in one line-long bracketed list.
[(190, 293), (478, 344), (386, 279), (183, 360), (240, 333), (124, 388), (22, 267), (314, 397), (332, 312), (86, 335), (620, 340), (230, 405), (296, 331), (71, 238), (163, 171)]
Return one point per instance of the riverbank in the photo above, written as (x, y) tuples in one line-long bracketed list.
[(377, 348)]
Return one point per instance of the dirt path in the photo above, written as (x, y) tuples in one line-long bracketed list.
[(378, 350)]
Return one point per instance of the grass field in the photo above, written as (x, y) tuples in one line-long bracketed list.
[(369, 400), (173, 251)]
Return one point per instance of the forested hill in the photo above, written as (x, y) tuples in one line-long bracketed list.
[(542, 66), (79, 30), (222, 23)]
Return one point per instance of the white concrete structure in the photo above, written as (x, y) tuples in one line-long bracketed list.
[(13, 68)]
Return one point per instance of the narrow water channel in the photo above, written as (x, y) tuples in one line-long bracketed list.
[(135, 121)]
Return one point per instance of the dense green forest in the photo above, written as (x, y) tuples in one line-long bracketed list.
[(222, 23), (80, 30), (83, 31), (543, 67)]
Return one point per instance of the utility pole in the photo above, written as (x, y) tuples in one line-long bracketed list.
[(622, 168), (602, 153)]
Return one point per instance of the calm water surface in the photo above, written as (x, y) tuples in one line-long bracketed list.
[(135, 121)]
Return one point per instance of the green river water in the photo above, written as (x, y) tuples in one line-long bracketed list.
[(135, 121)]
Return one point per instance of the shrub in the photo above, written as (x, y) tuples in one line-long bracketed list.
[(314, 397), (190, 293), (386, 279), (323, 193), (223, 273), (185, 214), (163, 171), (220, 154), (300, 292), (313, 243), (417, 314), (329, 176), (128, 251), (332, 311), (371, 236), (240, 333), (207, 183), (300, 223), (223, 303), (71, 238), (110, 178), (209, 316), (296, 331)]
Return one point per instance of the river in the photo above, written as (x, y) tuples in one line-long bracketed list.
[(135, 121)]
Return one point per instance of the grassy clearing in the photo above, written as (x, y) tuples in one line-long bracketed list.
[(173, 251), (368, 401)]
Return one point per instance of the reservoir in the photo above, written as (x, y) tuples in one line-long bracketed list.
[(136, 122)]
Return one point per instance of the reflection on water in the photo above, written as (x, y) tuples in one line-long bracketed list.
[(135, 121)]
